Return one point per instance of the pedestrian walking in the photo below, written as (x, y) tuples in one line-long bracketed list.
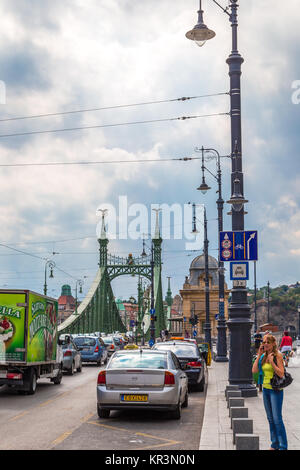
[(286, 347), (268, 361), (257, 340)]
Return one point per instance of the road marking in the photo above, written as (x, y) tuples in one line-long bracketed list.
[(66, 434), (150, 436), (45, 403), (169, 443), (18, 416), (61, 438), (87, 417), (108, 426), (51, 400)]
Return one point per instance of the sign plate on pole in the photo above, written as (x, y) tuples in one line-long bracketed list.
[(239, 283), (239, 270)]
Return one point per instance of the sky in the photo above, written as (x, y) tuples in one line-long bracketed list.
[(58, 57)]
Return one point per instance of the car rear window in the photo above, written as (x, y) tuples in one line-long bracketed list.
[(183, 350), (107, 340), (82, 341), (66, 345), (203, 347), (139, 361)]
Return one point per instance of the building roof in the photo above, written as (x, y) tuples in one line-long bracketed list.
[(199, 262), (197, 268), (66, 299)]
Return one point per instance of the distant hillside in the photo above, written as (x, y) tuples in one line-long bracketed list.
[(284, 301), (285, 297)]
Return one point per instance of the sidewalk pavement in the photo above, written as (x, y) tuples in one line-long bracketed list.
[(216, 432)]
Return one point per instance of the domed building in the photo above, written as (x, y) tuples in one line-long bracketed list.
[(193, 296), (66, 303)]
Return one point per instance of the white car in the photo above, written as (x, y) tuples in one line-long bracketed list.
[(142, 379)]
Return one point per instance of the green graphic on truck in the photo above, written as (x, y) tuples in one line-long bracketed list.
[(31, 329), (12, 327), (42, 337)]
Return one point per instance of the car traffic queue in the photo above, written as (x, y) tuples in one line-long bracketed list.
[(160, 378)]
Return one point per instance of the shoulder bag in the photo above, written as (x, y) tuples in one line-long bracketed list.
[(277, 383)]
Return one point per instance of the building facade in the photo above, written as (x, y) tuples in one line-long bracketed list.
[(193, 296)]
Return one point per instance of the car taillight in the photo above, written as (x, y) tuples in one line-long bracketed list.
[(111, 346), (169, 379), (67, 353), (97, 349), (101, 377), (12, 375), (194, 364)]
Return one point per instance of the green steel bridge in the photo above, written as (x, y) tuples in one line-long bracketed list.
[(98, 311)]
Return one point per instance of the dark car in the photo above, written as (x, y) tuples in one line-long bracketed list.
[(191, 361), (92, 349)]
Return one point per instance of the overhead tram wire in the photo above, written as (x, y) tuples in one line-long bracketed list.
[(100, 162), (38, 257), (103, 126), (63, 113)]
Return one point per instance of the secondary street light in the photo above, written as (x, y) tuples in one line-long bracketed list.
[(80, 283), (51, 265), (221, 342), (207, 326), (239, 322)]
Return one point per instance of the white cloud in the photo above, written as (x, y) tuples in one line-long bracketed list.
[(85, 54)]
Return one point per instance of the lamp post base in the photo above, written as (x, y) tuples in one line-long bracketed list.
[(207, 333), (240, 358), (221, 359), (247, 390), (221, 342)]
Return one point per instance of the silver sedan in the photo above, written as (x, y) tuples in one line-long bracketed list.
[(142, 379)]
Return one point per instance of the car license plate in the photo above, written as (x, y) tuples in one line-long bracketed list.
[(134, 398)]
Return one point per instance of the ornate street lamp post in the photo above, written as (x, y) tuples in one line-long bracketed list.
[(221, 342), (239, 322), (207, 326), (255, 299)]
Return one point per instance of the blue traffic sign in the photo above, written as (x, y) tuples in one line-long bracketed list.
[(151, 342), (238, 246), (152, 311)]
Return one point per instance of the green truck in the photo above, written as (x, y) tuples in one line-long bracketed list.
[(29, 347)]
